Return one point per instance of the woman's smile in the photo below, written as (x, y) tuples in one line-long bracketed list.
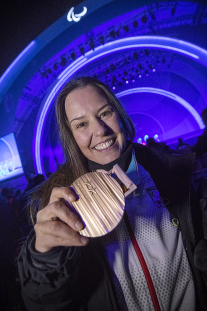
[(105, 145)]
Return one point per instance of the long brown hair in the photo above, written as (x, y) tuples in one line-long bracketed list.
[(75, 164)]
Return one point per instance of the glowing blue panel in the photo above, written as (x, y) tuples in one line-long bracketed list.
[(10, 162)]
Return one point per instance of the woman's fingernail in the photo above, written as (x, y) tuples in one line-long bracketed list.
[(84, 240), (79, 225), (71, 198)]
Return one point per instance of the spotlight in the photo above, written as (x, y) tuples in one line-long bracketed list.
[(55, 66), (152, 15), (108, 72), (126, 28), (73, 55), (101, 40), (135, 23), (113, 79), (114, 82), (92, 45), (129, 59), (133, 79), (152, 67), (156, 138), (82, 50), (118, 33), (146, 52), (63, 61), (135, 55), (146, 138), (138, 73), (144, 18), (43, 74), (112, 34), (173, 10), (146, 73), (112, 67)]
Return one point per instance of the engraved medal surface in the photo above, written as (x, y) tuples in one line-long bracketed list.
[(101, 203)]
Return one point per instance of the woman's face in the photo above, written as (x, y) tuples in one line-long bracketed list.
[(95, 125)]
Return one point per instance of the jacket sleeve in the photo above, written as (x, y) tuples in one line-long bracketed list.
[(200, 256), (49, 280)]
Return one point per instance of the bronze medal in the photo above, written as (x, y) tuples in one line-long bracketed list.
[(101, 201)]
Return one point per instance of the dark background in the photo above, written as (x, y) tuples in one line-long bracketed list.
[(21, 21)]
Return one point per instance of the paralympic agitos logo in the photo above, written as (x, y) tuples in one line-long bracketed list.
[(76, 17)]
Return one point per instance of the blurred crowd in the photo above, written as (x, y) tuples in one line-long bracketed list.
[(199, 148), (15, 225)]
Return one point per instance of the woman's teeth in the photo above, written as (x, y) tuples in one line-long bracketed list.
[(104, 145)]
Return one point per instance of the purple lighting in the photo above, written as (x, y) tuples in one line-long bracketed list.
[(173, 96), (185, 48)]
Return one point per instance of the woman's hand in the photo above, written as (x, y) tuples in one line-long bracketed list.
[(57, 225)]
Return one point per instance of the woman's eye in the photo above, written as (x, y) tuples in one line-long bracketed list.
[(106, 113), (82, 124)]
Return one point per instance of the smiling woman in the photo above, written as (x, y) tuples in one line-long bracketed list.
[(62, 268), (95, 125), (89, 116)]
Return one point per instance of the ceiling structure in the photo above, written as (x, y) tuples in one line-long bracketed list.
[(153, 56)]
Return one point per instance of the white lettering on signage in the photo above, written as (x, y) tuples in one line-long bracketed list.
[(76, 17)]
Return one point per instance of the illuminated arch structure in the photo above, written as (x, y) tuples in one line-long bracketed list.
[(160, 80)]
